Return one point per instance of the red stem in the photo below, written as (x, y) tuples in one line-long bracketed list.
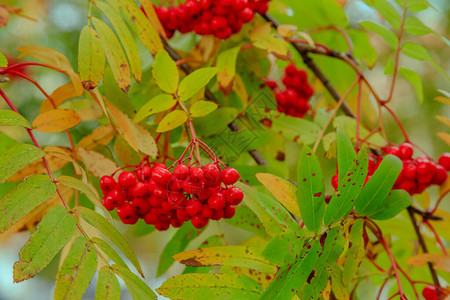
[(7, 69), (400, 125), (358, 113), (436, 236)]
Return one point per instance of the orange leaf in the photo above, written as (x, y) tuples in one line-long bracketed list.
[(56, 120), (444, 136), (59, 95), (100, 136), (440, 261), (125, 126), (37, 167), (96, 163)]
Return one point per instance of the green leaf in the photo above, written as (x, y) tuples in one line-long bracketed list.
[(23, 198), (109, 231), (53, 232), (172, 120), (11, 118), (417, 5), (379, 186), (114, 54), (210, 286), (393, 204), (177, 243), (416, 27), (291, 277), (346, 152), (355, 253), (415, 80), (125, 37), (246, 219), (387, 35), (212, 241), (140, 24), (332, 249), (76, 271), (298, 130), (282, 249), (348, 190), (310, 189), (137, 288), (226, 63), (115, 95), (216, 121), (91, 58), (284, 191), (387, 11), (77, 184), (236, 256), (109, 251), (419, 52), (17, 157), (108, 287), (194, 82), (157, 104), (202, 108), (3, 61), (126, 154), (165, 72), (389, 67)]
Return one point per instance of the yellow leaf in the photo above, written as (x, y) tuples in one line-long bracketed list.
[(151, 15), (440, 261), (56, 120), (260, 32), (274, 45), (91, 58), (287, 30), (55, 59), (59, 95), (146, 142), (443, 120), (444, 136), (172, 120), (282, 190), (204, 50), (125, 126), (442, 99), (65, 154), (240, 90), (96, 163), (115, 55), (99, 136)]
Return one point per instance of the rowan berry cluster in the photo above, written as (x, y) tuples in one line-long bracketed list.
[(417, 173), (163, 198), (293, 101), (221, 18)]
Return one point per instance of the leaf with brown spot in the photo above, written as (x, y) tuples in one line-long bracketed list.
[(114, 54), (108, 287), (91, 58), (56, 120)]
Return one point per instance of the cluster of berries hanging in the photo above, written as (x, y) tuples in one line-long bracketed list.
[(417, 173), (163, 198), (221, 18), (293, 101)]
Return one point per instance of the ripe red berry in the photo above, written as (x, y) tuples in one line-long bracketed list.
[(127, 179), (240, 5), (141, 206), (193, 207), (143, 173), (272, 84), (196, 174), (393, 151), (224, 33), (219, 23), (409, 170), (193, 187), (177, 200), (151, 218), (139, 190), (234, 195), (211, 172), (229, 212), (107, 183), (291, 70), (160, 193), (155, 202), (217, 201), (405, 151), (246, 15), (183, 215), (334, 181), (162, 226), (430, 293), (230, 176), (161, 176), (206, 212), (159, 165), (199, 222), (127, 213), (181, 172), (116, 197), (444, 160), (217, 214), (440, 175), (106, 201), (193, 7), (175, 222)]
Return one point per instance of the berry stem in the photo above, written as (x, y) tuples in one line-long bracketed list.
[(8, 69), (438, 239)]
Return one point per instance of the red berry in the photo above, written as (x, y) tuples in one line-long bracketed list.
[(408, 186), (224, 33), (211, 172), (393, 151), (163, 13), (230, 176), (159, 165), (139, 190), (205, 4), (291, 70), (181, 172), (291, 95), (160, 193), (143, 173), (199, 222), (272, 84), (106, 201), (127, 179), (176, 185), (240, 5), (166, 206), (162, 226), (217, 201), (229, 212), (175, 222), (196, 174), (206, 212), (226, 3), (405, 151), (246, 15), (127, 213), (193, 207), (234, 195), (334, 181), (193, 7), (183, 215), (205, 193), (141, 206), (409, 170), (177, 200), (161, 176), (116, 197), (440, 175), (193, 187), (219, 23), (155, 202), (151, 218), (217, 214), (430, 293), (107, 183), (444, 160)]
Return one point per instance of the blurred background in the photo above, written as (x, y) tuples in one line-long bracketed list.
[(58, 24)]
